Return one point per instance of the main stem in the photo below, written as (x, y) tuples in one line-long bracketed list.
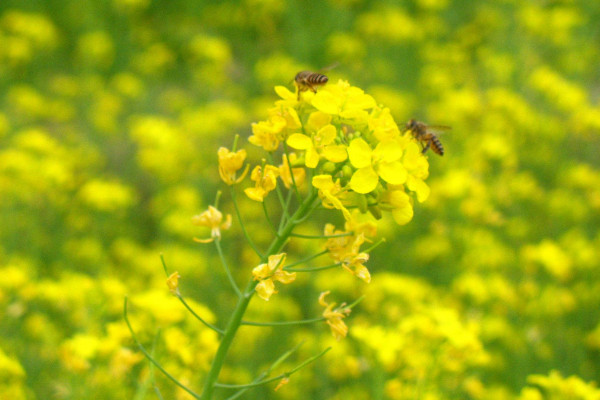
[(244, 300)]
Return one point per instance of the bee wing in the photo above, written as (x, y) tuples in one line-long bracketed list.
[(329, 67), (438, 129)]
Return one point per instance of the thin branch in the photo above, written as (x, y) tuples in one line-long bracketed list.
[(150, 358), (199, 318), (307, 259), (266, 373), (226, 267), (241, 221), (186, 305), (313, 269), (276, 378), (283, 323), (268, 218), (299, 235)]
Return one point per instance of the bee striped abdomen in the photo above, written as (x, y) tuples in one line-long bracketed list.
[(317, 79), (307, 80), (436, 146)]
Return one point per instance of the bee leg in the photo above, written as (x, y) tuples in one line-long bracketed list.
[(426, 147)]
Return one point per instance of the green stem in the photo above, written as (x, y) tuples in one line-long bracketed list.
[(241, 221), (307, 259), (234, 285), (313, 269), (150, 358), (283, 323), (243, 301)]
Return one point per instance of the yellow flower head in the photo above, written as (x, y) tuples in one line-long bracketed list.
[(360, 157), (330, 193), (212, 218), (335, 317), (230, 163), (270, 272), (383, 162), (173, 283), (265, 182), (267, 134), (346, 250), (320, 143)]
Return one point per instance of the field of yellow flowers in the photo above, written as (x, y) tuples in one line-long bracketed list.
[(487, 285)]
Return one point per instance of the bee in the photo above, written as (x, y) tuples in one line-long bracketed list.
[(307, 80), (423, 133)]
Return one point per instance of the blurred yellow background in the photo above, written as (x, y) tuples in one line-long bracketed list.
[(111, 113)]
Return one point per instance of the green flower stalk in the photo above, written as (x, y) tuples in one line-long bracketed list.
[(335, 149)]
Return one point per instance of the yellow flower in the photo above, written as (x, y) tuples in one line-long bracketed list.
[(321, 143), (401, 205), (212, 218), (384, 161), (347, 101), (270, 272), (329, 192), (266, 134), (173, 283), (345, 250), (383, 126), (230, 163), (286, 176), (265, 182), (335, 318), (418, 169)]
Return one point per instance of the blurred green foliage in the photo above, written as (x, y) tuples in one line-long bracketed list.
[(111, 113)]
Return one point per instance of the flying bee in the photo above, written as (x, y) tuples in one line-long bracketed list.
[(307, 80), (425, 135)]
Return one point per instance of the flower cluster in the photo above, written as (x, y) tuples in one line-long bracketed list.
[(358, 156)]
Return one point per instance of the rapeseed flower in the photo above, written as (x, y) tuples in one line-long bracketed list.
[(266, 181), (212, 218), (321, 141), (231, 162), (361, 158), (270, 272), (173, 283), (330, 193), (383, 161), (335, 317), (346, 250)]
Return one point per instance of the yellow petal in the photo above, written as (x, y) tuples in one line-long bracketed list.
[(326, 135), (312, 157), (284, 277), (364, 180), (284, 93), (419, 187), (299, 141), (335, 153), (325, 101), (392, 172), (388, 151), (322, 182), (265, 289), (318, 119), (403, 215), (257, 194), (359, 152), (261, 271)]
